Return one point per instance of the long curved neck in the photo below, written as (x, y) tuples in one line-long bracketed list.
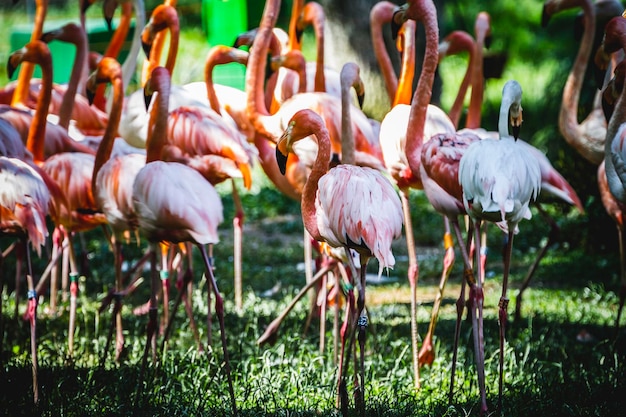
[(157, 128), (568, 116), (76, 81), (255, 97), (421, 99), (348, 78), (119, 35), (407, 70), (20, 96), (476, 98), (106, 144), (219, 55), (314, 14), (296, 9), (37, 132), (381, 13), (309, 193), (130, 63), (465, 43)]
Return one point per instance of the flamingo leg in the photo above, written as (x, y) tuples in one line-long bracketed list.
[(460, 303), (73, 294), (554, 230), (427, 354), (237, 247), (476, 298), (151, 328), (323, 312), (54, 273), (362, 323), (219, 310), (347, 327), (413, 274), (117, 307), (32, 318), (164, 274), (336, 328), (503, 304)]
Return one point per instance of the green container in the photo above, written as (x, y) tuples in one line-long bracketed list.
[(223, 21), (63, 53)]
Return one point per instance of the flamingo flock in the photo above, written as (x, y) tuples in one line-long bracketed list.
[(144, 164)]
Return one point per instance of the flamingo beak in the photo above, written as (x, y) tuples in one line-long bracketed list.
[(245, 38), (89, 90), (516, 123), (283, 148), (361, 98), (397, 20), (147, 98), (49, 36), (14, 61)]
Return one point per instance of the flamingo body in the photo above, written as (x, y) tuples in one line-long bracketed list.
[(371, 216), (175, 203)]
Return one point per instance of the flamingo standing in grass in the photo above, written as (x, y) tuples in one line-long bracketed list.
[(403, 131), (174, 203), (348, 206), (25, 197), (500, 177), (112, 180)]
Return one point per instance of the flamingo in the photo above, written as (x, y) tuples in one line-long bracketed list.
[(499, 179), (587, 137), (347, 206), (318, 77), (403, 131), (112, 179), (174, 203), (25, 197), (202, 139), (615, 151), (71, 171)]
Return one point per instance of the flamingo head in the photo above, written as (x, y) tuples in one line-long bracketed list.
[(302, 124), (108, 11), (107, 70), (245, 38), (36, 52)]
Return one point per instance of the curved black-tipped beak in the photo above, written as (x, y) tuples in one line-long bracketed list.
[(545, 17), (396, 22), (607, 109), (281, 161), (516, 129), (147, 47), (90, 95), (245, 38), (361, 99), (147, 98), (11, 67), (47, 37), (299, 33), (109, 22)]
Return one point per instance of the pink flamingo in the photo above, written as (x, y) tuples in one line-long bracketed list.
[(367, 222), (112, 180), (174, 203), (25, 197), (587, 137), (403, 131)]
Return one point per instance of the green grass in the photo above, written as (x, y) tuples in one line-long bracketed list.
[(547, 370)]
